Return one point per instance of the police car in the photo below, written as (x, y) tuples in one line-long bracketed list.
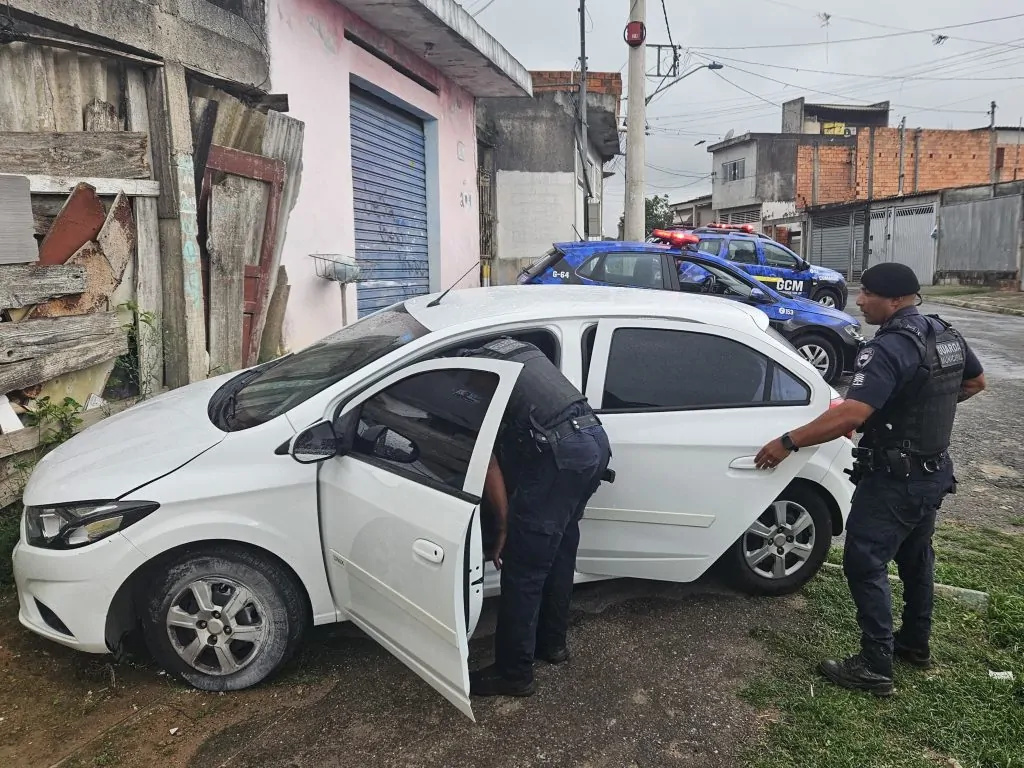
[(826, 337), (772, 263)]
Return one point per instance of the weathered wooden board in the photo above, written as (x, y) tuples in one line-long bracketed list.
[(117, 238), (272, 343), (107, 154), (56, 350), (32, 338), (101, 115), (237, 208), (78, 222), (64, 185), (24, 285)]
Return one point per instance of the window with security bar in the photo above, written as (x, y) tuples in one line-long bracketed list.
[(734, 170)]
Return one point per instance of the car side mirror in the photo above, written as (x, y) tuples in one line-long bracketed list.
[(314, 444), (759, 296), (387, 444)]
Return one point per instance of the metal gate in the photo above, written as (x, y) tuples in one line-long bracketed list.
[(837, 242), (389, 180), (904, 234)]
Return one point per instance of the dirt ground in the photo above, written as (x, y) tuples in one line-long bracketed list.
[(652, 682)]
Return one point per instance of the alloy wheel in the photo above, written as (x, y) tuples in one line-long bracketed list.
[(816, 356), (827, 300), (780, 541), (217, 625)]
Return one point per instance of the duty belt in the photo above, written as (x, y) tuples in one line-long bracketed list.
[(898, 461), (563, 429)]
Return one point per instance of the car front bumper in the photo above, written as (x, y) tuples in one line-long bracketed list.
[(65, 595)]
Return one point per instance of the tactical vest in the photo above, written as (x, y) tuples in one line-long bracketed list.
[(919, 418), (541, 390)]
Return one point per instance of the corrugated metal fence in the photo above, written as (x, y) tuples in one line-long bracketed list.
[(980, 236)]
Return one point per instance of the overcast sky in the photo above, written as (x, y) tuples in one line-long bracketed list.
[(974, 66)]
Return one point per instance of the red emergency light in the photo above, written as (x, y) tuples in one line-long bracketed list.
[(748, 228), (675, 238)]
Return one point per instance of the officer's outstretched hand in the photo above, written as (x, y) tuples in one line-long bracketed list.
[(771, 455)]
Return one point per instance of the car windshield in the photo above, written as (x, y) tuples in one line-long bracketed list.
[(261, 394)]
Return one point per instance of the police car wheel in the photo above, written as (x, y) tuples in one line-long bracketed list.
[(822, 354), (828, 298), (785, 546)]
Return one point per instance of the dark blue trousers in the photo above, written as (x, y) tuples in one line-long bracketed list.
[(540, 552), (893, 520)]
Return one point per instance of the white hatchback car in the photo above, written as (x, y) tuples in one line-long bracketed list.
[(186, 516)]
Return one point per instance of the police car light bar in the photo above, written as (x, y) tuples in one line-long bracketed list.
[(748, 228), (675, 238)]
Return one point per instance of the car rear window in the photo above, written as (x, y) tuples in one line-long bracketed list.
[(541, 264)]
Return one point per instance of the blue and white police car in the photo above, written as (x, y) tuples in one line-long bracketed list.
[(772, 263), (827, 337)]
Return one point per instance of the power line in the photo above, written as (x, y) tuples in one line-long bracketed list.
[(740, 87), (854, 39), (872, 77), (486, 6)]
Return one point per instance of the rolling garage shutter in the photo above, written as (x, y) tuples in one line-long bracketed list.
[(389, 178), (834, 243)]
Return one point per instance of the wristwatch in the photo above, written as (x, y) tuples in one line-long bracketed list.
[(788, 444)]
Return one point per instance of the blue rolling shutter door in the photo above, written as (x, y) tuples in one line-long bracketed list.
[(389, 177)]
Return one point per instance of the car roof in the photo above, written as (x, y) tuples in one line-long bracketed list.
[(612, 245), (531, 303)]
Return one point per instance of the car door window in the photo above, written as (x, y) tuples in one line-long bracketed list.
[(713, 246), (638, 270), (652, 369), (437, 415), (742, 251), (704, 277), (774, 256)]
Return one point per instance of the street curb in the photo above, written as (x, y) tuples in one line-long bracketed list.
[(972, 598), (973, 305)]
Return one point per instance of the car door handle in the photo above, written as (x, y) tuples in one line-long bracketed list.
[(428, 550), (744, 462)]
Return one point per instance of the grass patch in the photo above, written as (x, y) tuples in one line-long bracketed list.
[(953, 290), (955, 710)]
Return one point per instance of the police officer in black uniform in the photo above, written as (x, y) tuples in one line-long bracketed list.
[(903, 397), (556, 453)]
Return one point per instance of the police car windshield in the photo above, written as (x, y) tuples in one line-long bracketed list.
[(259, 395)]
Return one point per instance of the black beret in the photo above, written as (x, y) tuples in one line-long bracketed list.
[(890, 280)]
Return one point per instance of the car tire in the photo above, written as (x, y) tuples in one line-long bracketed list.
[(800, 505), (830, 297), (220, 651), (821, 352)]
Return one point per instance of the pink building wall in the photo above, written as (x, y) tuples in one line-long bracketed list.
[(315, 65)]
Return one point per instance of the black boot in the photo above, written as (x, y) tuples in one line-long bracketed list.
[(489, 682), (915, 656), (856, 673), (554, 655)]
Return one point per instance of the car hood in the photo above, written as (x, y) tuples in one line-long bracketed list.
[(129, 449), (808, 307), (825, 274)]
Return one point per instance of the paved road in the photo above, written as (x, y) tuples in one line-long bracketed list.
[(656, 668)]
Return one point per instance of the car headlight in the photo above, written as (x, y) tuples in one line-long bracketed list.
[(854, 332), (66, 526)]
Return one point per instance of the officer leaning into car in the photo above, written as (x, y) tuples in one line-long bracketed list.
[(903, 397), (556, 453)]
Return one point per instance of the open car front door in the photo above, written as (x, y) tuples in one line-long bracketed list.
[(399, 511), (686, 407)]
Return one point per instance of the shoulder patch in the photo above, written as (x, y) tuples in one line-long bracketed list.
[(864, 357), (505, 346), (858, 380), (951, 353)]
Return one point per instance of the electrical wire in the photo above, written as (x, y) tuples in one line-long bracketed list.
[(486, 6), (740, 87), (872, 77), (854, 39)]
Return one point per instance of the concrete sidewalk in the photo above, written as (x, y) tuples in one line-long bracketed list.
[(998, 302)]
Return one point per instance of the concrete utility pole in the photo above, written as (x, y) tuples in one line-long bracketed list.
[(903, 133), (993, 171), (636, 127), (584, 140)]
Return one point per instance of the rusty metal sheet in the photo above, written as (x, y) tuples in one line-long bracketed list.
[(79, 222)]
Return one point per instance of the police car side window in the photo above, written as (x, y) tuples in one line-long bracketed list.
[(713, 246), (657, 369), (640, 270), (438, 413), (742, 252), (777, 257)]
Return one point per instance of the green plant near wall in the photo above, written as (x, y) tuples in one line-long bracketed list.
[(56, 421), (134, 374)]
